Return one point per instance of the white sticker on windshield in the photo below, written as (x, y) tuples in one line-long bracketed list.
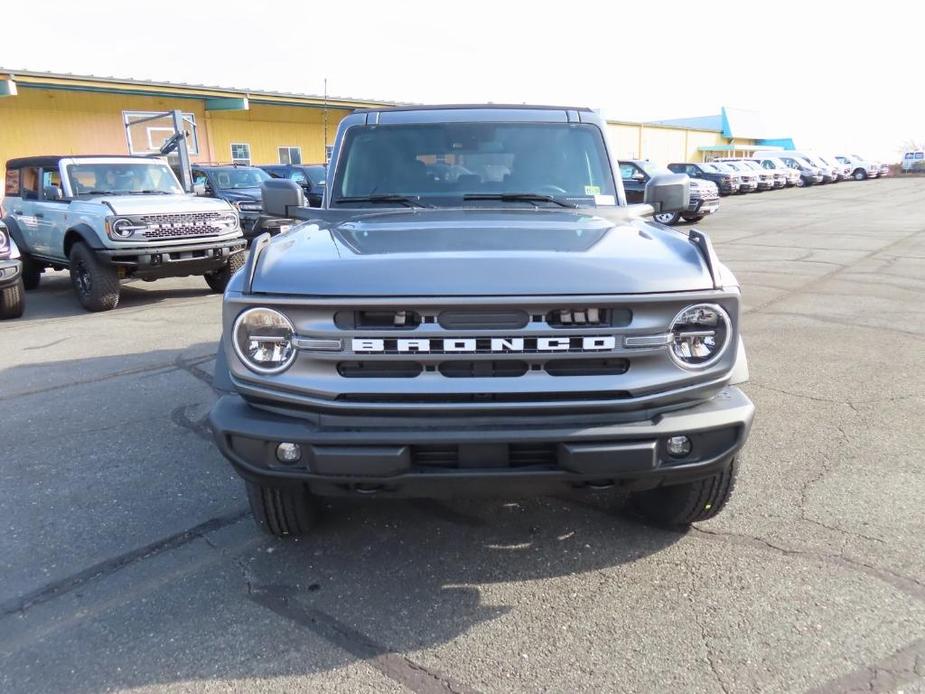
[(600, 200)]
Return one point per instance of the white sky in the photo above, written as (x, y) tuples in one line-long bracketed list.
[(834, 76)]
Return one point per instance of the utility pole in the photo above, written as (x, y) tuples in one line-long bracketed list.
[(325, 117)]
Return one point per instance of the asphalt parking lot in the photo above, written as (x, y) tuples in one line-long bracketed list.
[(129, 560)]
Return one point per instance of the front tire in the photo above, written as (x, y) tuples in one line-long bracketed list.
[(860, 175), (31, 272), (282, 511), (690, 502), (12, 300), (219, 279), (96, 284), (668, 218), (692, 218)]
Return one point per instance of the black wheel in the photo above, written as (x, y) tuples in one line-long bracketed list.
[(96, 284), (683, 504), (219, 279), (31, 272), (692, 218), (282, 511), (12, 300), (860, 175), (669, 218)]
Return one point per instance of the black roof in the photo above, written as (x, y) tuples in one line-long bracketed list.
[(53, 159), (474, 107)]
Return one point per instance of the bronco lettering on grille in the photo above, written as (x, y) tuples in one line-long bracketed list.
[(591, 343)]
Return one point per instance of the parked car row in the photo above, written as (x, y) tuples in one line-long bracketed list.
[(704, 193)]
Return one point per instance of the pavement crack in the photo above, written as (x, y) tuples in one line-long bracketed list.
[(108, 567), (191, 366), (201, 427), (282, 601)]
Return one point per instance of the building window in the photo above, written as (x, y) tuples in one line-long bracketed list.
[(147, 131), (241, 153), (290, 155)]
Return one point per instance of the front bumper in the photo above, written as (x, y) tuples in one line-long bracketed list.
[(154, 262), (748, 186), (10, 271), (385, 455), (701, 206)]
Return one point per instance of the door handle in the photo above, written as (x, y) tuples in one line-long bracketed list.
[(39, 215), (17, 211)]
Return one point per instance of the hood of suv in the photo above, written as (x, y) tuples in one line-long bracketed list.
[(242, 194), (481, 252), (161, 204)]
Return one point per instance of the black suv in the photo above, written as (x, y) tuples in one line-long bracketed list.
[(240, 186), (310, 176), (706, 171)]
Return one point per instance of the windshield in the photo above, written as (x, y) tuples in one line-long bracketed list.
[(711, 168), (316, 174), (122, 178), (233, 178), (448, 164), (752, 164), (653, 169), (724, 167)]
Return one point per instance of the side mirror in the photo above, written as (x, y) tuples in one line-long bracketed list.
[(639, 176), (280, 195), (200, 189), (53, 193), (668, 192)]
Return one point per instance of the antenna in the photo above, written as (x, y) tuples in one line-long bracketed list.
[(325, 117)]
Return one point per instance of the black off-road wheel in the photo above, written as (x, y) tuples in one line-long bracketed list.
[(219, 279), (283, 511), (859, 175), (31, 272), (692, 218), (96, 284), (683, 504), (12, 300)]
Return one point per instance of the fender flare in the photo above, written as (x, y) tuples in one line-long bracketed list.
[(86, 234), (15, 234), (221, 378)]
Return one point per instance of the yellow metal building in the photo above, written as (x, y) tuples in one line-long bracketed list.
[(46, 113)]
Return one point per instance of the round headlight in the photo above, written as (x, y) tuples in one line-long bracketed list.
[(263, 340), (4, 242), (122, 227), (699, 335)]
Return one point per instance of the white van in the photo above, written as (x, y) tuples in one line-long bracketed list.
[(913, 161)]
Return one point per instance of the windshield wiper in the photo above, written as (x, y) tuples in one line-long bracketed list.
[(519, 197), (147, 192), (407, 200), (97, 192)]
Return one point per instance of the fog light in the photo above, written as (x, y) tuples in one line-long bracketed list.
[(679, 446), (289, 453)]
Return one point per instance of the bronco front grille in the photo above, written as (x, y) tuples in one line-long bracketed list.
[(185, 225), (467, 456)]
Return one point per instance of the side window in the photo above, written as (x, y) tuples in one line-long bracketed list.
[(12, 183), (241, 153), (50, 178), (298, 177), (692, 171), (30, 183), (200, 178), (627, 171)]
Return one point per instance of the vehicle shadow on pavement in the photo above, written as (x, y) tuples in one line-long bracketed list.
[(376, 581), (55, 297)]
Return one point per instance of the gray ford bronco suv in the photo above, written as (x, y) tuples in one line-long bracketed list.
[(107, 218), (513, 327)]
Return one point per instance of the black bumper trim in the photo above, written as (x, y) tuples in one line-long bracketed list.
[(345, 461), (10, 271)]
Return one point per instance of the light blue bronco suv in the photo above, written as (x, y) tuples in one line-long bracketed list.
[(107, 218)]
